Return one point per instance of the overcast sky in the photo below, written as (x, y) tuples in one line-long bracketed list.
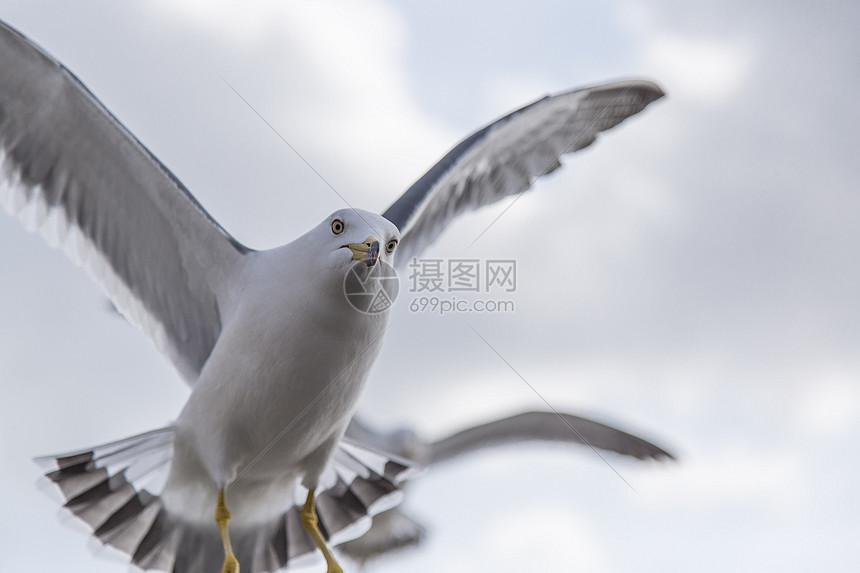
[(692, 277)]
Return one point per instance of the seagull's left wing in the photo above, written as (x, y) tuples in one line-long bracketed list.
[(539, 426), (394, 529), (72, 171), (543, 427), (505, 157)]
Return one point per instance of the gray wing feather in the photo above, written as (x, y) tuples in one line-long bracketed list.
[(397, 442), (505, 157), (546, 427), (524, 427), (73, 172), (393, 529)]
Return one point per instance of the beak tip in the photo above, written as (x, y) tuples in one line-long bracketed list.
[(366, 252), (372, 254)]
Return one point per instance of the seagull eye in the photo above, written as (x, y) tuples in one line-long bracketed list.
[(337, 226), (392, 244)]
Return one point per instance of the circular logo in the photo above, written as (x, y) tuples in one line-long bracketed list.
[(371, 290)]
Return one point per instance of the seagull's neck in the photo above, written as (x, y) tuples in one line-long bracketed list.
[(288, 283)]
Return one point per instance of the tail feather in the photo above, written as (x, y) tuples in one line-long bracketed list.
[(127, 535), (376, 492), (152, 546), (134, 506), (99, 513), (339, 507), (198, 554), (394, 530), (114, 488), (95, 483)]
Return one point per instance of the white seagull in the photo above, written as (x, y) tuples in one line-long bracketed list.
[(275, 354)]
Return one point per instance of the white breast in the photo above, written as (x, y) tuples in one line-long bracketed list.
[(281, 383)]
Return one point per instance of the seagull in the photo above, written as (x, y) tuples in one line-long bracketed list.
[(256, 469), (393, 529)]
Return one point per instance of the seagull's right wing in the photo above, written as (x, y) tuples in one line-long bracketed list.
[(69, 169), (543, 427), (505, 157)]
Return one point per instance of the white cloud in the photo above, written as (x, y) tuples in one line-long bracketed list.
[(708, 71), (732, 473), (830, 406), (705, 70), (505, 92), (352, 87), (520, 541)]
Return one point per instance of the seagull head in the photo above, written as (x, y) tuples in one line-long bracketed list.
[(357, 235), (347, 242)]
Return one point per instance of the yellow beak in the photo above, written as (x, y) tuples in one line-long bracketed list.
[(366, 252)]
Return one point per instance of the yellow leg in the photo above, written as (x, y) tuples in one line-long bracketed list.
[(222, 516), (310, 523)]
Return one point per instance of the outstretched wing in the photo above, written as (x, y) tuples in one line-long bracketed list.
[(505, 157), (538, 426), (394, 529), (543, 427), (69, 169)]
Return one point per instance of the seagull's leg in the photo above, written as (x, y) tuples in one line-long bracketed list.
[(222, 516), (310, 523)]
